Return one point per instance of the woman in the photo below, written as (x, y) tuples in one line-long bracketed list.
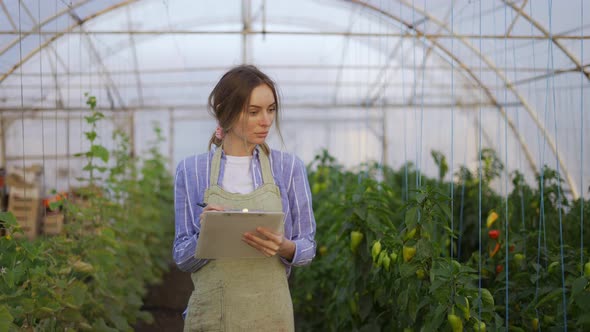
[(241, 171)]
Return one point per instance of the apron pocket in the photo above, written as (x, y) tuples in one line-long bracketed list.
[(205, 310)]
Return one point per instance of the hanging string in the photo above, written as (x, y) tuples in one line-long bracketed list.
[(452, 126), (424, 56), (22, 98), (461, 209), (382, 52), (506, 232), (559, 207), (537, 278), (80, 113), (358, 76), (520, 192), (413, 99), (56, 97), (68, 70), (479, 167), (405, 193), (42, 99), (366, 102), (582, 142)]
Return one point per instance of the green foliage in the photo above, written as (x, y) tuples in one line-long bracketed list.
[(419, 284), (93, 277), (441, 162)]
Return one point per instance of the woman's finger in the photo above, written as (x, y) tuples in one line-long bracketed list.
[(276, 238), (268, 244), (264, 250), (211, 207)]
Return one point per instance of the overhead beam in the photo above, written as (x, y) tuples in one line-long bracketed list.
[(429, 50), (55, 36), (513, 23), (9, 17), (554, 39), (461, 65), (246, 29), (432, 86), (549, 74), (37, 28), (509, 86), (167, 70), (304, 33), (53, 65), (343, 54), (136, 73), (110, 83), (312, 106)]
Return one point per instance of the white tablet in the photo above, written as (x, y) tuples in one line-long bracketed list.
[(222, 232)]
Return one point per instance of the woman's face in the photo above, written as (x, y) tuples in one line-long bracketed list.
[(255, 122)]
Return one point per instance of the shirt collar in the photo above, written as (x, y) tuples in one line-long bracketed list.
[(255, 154)]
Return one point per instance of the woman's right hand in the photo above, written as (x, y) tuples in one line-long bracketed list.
[(211, 207)]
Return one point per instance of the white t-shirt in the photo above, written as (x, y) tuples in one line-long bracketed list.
[(237, 175)]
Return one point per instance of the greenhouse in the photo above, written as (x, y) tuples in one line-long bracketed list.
[(443, 151)]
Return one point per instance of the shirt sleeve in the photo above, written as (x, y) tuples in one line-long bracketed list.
[(304, 226), (186, 226)]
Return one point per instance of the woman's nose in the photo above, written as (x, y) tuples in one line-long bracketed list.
[(266, 119)]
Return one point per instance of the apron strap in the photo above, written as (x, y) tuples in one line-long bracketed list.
[(265, 165), (215, 167)]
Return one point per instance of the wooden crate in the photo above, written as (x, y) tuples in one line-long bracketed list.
[(27, 213), (53, 223)]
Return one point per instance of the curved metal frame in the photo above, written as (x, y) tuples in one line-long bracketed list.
[(547, 35), (433, 40), (470, 73), (59, 34), (39, 25), (500, 75)]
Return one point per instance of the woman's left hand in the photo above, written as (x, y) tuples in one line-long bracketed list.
[(273, 244)]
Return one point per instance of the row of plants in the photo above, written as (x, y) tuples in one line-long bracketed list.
[(94, 275), (399, 251)]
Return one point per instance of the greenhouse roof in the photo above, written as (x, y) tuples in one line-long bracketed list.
[(369, 80)]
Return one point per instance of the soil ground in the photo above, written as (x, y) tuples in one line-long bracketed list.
[(167, 301)]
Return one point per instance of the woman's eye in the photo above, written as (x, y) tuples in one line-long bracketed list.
[(253, 112), (271, 110)]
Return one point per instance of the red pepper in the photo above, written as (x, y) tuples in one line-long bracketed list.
[(499, 268), (494, 234)]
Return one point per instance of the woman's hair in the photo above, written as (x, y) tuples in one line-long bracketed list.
[(231, 96)]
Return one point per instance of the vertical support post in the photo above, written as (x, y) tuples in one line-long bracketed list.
[(246, 25)]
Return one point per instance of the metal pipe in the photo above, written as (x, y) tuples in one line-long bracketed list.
[(553, 39), (55, 37), (443, 106), (522, 100), (304, 33)]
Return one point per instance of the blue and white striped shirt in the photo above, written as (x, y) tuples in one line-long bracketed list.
[(193, 177)]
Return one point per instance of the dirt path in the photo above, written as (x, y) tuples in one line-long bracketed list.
[(167, 301)]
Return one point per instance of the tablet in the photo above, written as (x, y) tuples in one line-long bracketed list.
[(222, 231)]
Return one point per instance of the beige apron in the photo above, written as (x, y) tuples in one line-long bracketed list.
[(241, 294)]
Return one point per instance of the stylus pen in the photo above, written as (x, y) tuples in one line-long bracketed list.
[(202, 204)]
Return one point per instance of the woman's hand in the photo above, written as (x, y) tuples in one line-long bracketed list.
[(211, 207), (272, 244)]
